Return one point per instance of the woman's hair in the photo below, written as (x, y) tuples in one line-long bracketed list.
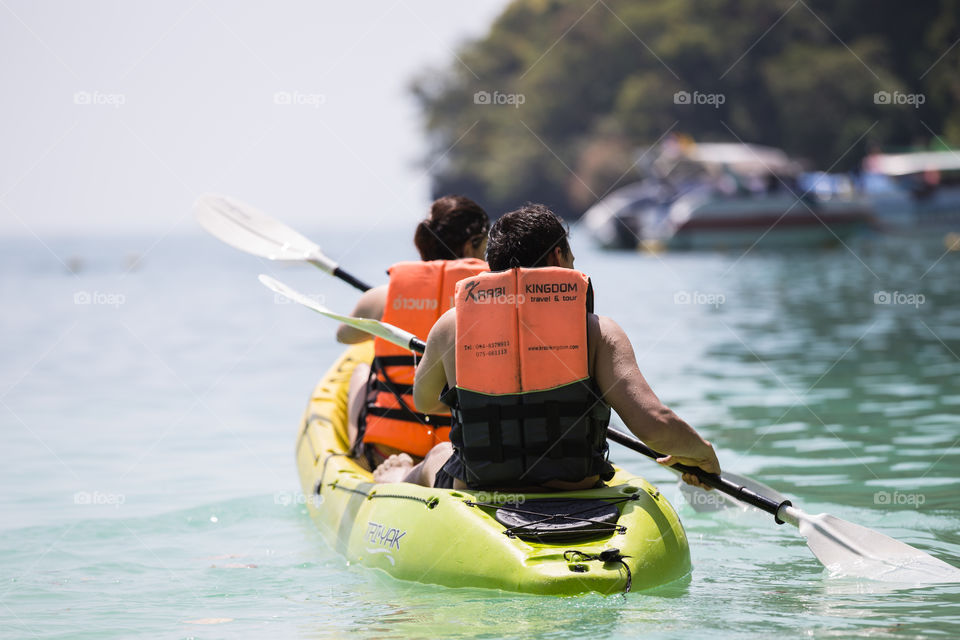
[(525, 238), (453, 220)]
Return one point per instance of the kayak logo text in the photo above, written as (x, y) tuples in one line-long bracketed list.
[(384, 536)]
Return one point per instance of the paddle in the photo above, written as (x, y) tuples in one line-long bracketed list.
[(245, 228), (388, 332), (704, 501), (845, 548)]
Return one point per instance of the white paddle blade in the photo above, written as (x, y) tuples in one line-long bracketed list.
[(709, 501), (848, 549), (388, 332), (244, 227)]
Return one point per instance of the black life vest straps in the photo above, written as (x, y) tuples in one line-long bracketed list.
[(531, 438), (551, 411), (404, 413), (396, 361), (390, 386), (401, 392)]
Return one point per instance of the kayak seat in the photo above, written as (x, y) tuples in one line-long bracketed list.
[(559, 519)]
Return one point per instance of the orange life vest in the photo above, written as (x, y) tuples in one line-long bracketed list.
[(525, 409), (419, 292)]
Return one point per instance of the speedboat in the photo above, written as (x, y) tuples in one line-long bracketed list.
[(914, 191), (724, 195)]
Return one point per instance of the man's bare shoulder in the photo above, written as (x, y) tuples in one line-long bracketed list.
[(446, 327), (603, 329)]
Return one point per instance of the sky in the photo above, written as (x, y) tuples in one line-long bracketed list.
[(117, 115)]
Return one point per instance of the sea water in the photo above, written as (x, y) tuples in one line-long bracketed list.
[(151, 390)]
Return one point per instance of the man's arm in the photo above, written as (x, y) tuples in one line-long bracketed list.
[(431, 374), (370, 305), (627, 392)]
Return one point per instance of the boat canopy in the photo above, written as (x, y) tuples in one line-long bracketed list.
[(740, 158), (902, 164)]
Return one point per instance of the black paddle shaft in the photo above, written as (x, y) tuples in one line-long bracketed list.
[(349, 279), (710, 479)]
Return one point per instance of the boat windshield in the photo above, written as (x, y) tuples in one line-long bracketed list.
[(879, 183)]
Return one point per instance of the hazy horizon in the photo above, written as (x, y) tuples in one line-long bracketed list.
[(119, 116)]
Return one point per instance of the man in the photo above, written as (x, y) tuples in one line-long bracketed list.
[(531, 374)]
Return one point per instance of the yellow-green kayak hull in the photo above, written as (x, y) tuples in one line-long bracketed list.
[(437, 536)]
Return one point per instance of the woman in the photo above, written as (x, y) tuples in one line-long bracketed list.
[(382, 417)]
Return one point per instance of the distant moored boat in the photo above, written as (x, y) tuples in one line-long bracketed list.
[(725, 195), (917, 191)]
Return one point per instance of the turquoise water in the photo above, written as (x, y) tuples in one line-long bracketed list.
[(146, 442)]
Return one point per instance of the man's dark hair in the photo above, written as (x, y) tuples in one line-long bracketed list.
[(525, 238)]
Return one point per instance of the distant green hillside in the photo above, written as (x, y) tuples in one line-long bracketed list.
[(551, 104)]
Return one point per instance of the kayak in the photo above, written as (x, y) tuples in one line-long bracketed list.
[(623, 536)]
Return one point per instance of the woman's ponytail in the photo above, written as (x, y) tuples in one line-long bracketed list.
[(453, 220)]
